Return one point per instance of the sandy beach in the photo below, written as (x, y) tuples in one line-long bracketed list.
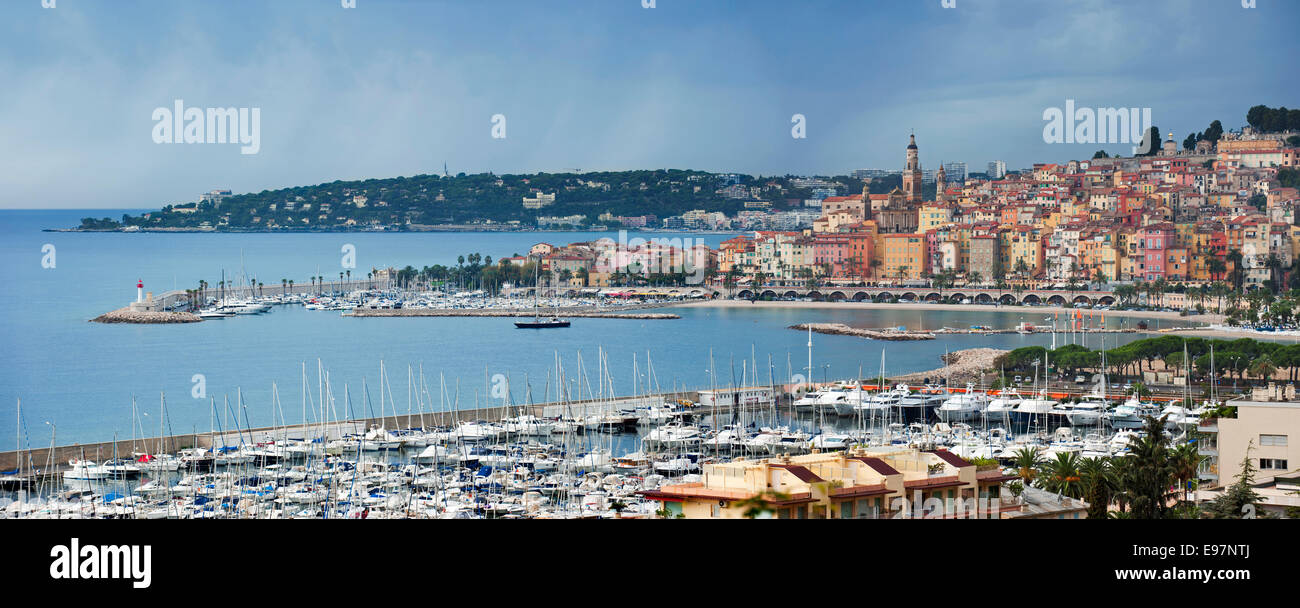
[(1141, 314)]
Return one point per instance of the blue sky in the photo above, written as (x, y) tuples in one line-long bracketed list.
[(398, 87)]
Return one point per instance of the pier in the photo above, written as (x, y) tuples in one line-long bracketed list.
[(53, 459)]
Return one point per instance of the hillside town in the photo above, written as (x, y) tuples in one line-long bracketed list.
[(1217, 212)]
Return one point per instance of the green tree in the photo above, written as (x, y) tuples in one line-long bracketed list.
[(1097, 480), (1232, 504), (1151, 471)]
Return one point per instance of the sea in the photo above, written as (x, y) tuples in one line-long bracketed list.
[(77, 380)]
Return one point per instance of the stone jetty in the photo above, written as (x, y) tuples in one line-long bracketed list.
[(961, 366), (840, 329), (126, 315)]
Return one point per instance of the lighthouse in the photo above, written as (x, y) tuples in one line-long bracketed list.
[(139, 290)]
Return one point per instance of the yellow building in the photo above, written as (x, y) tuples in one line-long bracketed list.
[(933, 215), (904, 256)]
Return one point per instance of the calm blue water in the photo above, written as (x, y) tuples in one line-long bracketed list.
[(81, 376)]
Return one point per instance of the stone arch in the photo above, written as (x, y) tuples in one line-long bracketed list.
[(1083, 300), (790, 294), (768, 293), (859, 296), (885, 295), (836, 296), (908, 295), (933, 296), (1105, 301), (816, 296), (1032, 299), (1054, 300), (957, 296), (983, 298), (745, 294)]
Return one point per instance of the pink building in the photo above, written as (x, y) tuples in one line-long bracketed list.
[(831, 251), (1152, 243)]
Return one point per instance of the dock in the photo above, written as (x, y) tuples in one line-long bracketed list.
[(54, 459)]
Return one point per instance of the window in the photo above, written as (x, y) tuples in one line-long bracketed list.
[(1275, 440), (1272, 463)]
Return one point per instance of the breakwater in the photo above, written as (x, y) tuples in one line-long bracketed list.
[(126, 315), (55, 458), (840, 329)]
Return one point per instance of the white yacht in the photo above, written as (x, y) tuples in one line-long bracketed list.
[(1086, 412), (964, 406), (1000, 408), (85, 470), (1034, 410), (1128, 415)]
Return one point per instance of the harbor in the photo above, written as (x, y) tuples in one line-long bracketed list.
[(596, 455)]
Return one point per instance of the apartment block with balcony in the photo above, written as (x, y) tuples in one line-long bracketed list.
[(872, 483)]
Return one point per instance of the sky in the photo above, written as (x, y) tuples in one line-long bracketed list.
[(400, 87)]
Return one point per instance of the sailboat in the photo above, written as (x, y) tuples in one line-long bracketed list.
[(538, 322)]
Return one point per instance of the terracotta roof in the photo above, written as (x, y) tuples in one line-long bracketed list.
[(994, 475), (801, 472), (860, 491), (932, 483), (795, 499), (952, 459), (877, 465), (695, 490)]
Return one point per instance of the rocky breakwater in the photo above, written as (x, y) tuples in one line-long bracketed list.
[(960, 367), (126, 315), (840, 329)]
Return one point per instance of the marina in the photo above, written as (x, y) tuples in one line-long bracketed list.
[(593, 456)]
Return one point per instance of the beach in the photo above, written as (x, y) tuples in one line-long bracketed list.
[(1140, 314)]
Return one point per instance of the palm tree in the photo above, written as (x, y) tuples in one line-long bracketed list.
[(1216, 267), (1150, 472), (1263, 367), (1027, 461), (1097, 478), (284, 285), (973, 278), (1062, 475), (1187, 464)]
